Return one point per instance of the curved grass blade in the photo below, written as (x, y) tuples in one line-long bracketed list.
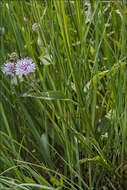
[(49, 95)]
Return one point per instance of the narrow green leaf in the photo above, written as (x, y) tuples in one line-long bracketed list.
[(49, 95)]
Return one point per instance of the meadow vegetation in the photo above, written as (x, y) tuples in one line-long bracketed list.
[(63, 95)]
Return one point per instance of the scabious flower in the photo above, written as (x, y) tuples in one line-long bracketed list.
[(18, 68), (9, 68), (24, 67)]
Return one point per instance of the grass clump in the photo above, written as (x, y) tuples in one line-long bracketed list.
[(63, 100)]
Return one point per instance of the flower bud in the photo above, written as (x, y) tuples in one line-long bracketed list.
[(35, 26), (13, 56), (26, 19)]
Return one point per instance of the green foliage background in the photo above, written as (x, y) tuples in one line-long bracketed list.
[(65, 126)]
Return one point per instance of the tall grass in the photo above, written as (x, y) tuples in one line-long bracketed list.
[(64, 127)]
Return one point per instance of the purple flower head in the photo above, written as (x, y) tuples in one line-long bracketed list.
[(8, 68), (24, 67)]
